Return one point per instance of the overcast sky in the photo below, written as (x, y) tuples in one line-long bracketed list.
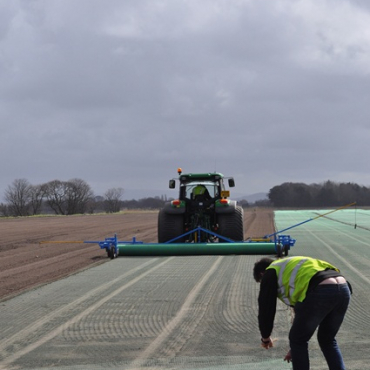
[(120, 93)]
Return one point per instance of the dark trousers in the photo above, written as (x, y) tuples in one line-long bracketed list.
[(324, 308)]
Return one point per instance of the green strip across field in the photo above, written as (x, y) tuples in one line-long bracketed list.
[(342, 234)]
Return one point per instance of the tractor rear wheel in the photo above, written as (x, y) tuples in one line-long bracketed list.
[(231, 225), (170, 226)]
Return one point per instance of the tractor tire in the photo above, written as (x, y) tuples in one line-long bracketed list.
[(112, 252), (286, 250), (170, 226), (231, 225), (279, 250)]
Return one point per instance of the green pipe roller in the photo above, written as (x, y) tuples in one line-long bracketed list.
[(190, 249)]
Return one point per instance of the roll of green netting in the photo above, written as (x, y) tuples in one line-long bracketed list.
[(190, 249)]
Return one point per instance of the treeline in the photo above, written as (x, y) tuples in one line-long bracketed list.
[(76, 197), (66, 198), (326, 194)]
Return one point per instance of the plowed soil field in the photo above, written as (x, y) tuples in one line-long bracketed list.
[(26, 261)]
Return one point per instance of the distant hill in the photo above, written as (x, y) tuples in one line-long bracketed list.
[(129, 194), (253, 197)]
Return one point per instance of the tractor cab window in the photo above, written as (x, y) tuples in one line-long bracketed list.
[(191, 191)]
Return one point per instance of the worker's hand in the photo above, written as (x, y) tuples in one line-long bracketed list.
[(267, 343), (288, 357)]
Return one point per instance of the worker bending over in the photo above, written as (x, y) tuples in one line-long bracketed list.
[(319, 294)]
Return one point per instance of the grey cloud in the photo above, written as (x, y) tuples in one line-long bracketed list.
[(123, 93)]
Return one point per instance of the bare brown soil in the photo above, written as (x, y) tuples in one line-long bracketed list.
[(26, 261)]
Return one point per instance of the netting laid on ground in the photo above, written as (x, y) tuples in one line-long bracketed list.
[(343, 239)]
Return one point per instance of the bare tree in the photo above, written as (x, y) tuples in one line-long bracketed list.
[(79, 195), (56, 196), (68, 197), (18, 196), (37, 195), (112, 202)]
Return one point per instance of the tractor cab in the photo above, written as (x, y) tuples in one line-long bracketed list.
[(199, 190)]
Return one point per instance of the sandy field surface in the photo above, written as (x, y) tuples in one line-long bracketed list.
[(26, 262)]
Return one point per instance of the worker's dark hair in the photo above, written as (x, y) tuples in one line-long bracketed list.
[(260, 267)]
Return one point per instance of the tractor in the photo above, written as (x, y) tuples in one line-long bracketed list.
[(204, 203)]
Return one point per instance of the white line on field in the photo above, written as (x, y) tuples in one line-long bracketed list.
[(340, 257), (170, 327), (48, 317), (363, 277), (73, 320)]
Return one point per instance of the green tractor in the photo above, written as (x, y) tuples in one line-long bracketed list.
[(203, 203)]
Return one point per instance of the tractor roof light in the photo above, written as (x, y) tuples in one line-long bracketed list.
[(224, 201)]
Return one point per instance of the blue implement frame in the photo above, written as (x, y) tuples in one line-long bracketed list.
[(282, 243)]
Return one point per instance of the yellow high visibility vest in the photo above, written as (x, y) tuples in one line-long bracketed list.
[(294, 275)]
